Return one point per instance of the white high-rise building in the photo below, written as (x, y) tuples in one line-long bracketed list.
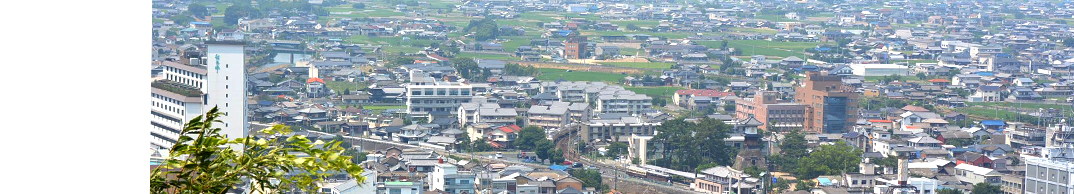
[(227, 86), (177, 96)]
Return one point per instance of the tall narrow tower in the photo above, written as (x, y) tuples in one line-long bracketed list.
[(227, 86)]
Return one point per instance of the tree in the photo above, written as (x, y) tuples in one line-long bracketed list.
[(528, 137), (556, 156), (198, 10), (202, 161), (467, 68), (484, 29), (632, 27), (948, 191), (804, 185), (921, 76), (589, 178), (233, 13), (829, 160), (687, 145), (986, 188), (544, 149), (616, 149), (358, 6)]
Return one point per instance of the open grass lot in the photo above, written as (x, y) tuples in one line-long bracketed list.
[(642, 65), (658, 91), (994, 113), (549, 74), (640, 23), (485, 56), (754, 30), (343, 85), (1021, 105), (771, 48), (671, 35), (513, 42)]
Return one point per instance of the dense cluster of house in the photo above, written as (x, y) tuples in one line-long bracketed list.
[(933, 59)]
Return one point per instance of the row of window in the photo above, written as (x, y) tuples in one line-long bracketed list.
[(169, 108), (185, 72), (440, 92)]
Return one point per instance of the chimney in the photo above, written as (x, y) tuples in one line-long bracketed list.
[(440, 161)]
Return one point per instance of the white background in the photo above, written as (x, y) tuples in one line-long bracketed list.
[(75, 96)]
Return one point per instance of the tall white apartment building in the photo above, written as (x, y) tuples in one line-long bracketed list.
[(227, 86), (425, 94), (175, 97)]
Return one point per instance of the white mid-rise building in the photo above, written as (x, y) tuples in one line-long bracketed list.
[(1054, 172), (175, 97), (448, 178), (227, 86), (426, 94), (623, 101)]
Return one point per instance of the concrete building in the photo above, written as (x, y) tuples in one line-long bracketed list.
[(831, 106), (227, 86), (617, 129), (879, 69), (175, 99), (623, 101), (173, 104), (694, 99), (639, 146), (399, 187), (575, 47), (483, 112), (975, 174), (448, 178), (776, 115), (426, 94), (1054, 171)]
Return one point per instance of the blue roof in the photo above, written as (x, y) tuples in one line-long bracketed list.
[(992, 123), (201, 23), (824, 181), (985, 73), (558, 167)]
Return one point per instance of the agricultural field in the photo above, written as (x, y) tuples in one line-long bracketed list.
[(485, 56), (766, 48), (641, 65), (550, 74)]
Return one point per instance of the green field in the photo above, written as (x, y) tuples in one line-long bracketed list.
[(659, 91), (341, 86), (642, 65), (671, 35), (1021, 105), (764, 47), (549, 74), (485, 56), (754, 30)]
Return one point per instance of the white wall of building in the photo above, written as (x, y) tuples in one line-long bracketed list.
[(227, 86)]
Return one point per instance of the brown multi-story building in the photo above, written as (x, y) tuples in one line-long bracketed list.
[(776, 115), (831, 107), (574, 47)]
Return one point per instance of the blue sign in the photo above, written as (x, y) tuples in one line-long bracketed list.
[(217, 62)]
